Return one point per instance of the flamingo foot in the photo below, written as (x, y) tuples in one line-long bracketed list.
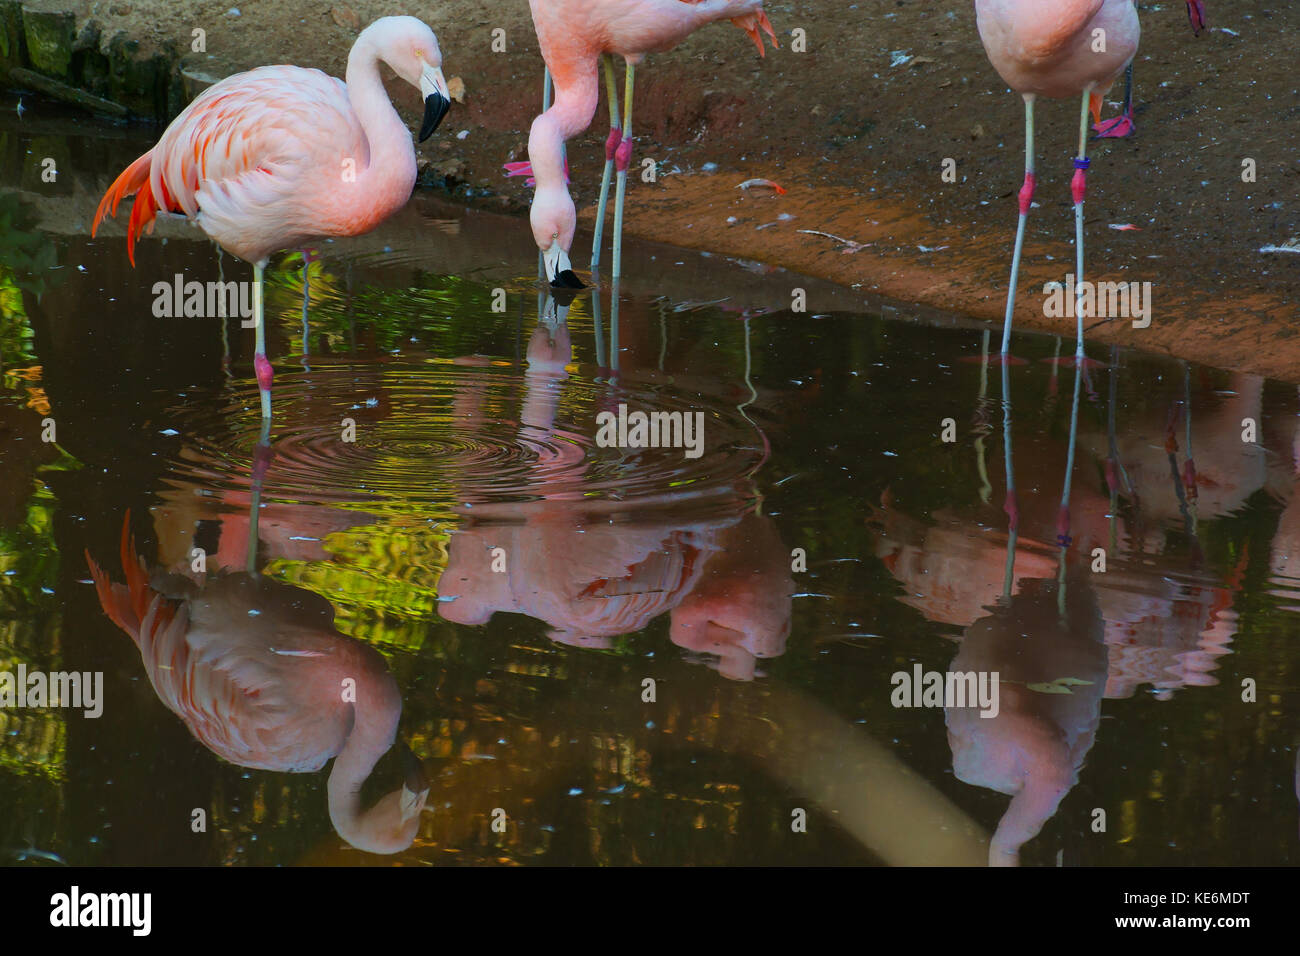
[(752, 24), (1196, 15), (1117, 127)]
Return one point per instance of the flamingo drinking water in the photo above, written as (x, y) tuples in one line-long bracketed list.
[(1057, 48), (272, 158), (576, 35)]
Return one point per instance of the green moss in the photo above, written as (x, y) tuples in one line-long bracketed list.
[(50, 37)]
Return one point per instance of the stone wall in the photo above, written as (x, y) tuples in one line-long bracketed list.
[(63, 54)]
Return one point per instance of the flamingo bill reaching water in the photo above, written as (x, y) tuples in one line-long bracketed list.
[(280, 155), (576, 38)]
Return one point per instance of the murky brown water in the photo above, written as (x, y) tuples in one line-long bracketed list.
[(619, 655)]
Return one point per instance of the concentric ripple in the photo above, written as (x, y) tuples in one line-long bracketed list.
[(455, 434)]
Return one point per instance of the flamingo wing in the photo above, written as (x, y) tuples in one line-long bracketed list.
[(235, 160), (237, 697)]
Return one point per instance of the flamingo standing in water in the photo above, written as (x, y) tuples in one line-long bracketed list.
[(262, 678), (1057, 48), (576, 35), (280, 155)]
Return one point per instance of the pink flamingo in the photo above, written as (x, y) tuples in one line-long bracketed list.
[(574, 36), (1118, 127), (1057, 48), (272, 158), (261, 677)]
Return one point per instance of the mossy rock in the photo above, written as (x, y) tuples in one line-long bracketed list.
[(140, 83), (50, 38), (12, 51)]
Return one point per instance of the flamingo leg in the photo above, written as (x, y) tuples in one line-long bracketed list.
[(622, 160), (1118, 127), (261, 363), (611, 149), (306, 299), (1079, 189), (1026, 200)]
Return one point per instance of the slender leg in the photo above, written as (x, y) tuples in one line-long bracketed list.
[(1026, 200), (1120, 126), (225, 335), (613, 326), (306, 300), (1010, 505), (260, 362), (261, 461), (611, 150), (1079, 189), (1189, 464), (982, 428), (622, 160), (1063, 538)]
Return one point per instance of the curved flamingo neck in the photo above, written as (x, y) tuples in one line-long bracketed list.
[(374, 729), (576, 95), (386, 173)]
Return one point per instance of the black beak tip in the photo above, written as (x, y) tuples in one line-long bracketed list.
[(563, 295), (567, 280), (413, 773), (435, 108)]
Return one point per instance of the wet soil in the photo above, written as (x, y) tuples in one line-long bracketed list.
[(857, 129)]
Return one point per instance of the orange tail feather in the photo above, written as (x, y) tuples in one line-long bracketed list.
[(128, 606), (133, 181)]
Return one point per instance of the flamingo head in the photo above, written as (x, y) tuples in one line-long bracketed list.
[(390, 826), (554, 220), (410, 48)]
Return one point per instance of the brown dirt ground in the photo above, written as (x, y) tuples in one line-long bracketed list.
[(859, 144)]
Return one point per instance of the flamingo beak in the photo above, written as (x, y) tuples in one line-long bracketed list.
[(415, 785), (437, 100), (559, 270)]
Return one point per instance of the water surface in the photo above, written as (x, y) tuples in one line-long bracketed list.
[(826, 539)]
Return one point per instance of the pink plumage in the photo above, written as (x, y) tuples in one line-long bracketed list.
[(275, 157), (262, 678)]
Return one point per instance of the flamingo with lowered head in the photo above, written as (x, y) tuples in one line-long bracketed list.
[(1057, 48), (262, 678), (274, 157), (576, 36)]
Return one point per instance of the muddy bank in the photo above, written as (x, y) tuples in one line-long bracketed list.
[(857, 129)]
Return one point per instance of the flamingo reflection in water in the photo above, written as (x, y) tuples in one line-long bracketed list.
[(1164, 626), (596, 571), (262, 678)]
